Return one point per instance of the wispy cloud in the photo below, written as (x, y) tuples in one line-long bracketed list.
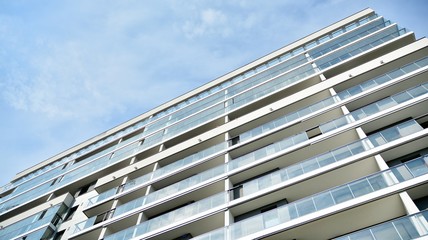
[(208, 21)]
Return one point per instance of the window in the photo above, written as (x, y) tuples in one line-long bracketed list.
[(104, 216), (57, 180), (184, 237), (170, 210), (85, 189), (260, 210), (234, 141), (42, 215), (59, 235), (70, 213), (238, 189), (313, 132)]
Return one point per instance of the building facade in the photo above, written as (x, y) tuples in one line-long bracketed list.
[(325, 138)]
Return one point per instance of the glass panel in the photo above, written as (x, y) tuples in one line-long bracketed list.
[(357, 147), (261, 153), (402, 228), (326, 159), (360, 187), (292, 116), (284, 144), (355, 90), (326, 127), (423, 62), (390, 134), (418, 167), (365, 235), (342, 153), (385, 103), (310, 165), (408, 128), (323, 200), (402, 97), (250, 187), (382, 79), (406, 228), (270, 219), (341, 194), (287, 212), (246, 227), (378, 181), (385, 232), (368, 84), (305, 206), (377, 139), (294, 170), (396, 73), (410, 68), (402, 173), (370, 109)]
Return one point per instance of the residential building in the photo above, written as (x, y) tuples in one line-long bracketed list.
[(325, 138)]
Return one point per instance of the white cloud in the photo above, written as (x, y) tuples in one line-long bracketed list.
[(213, 17), (208, 22)]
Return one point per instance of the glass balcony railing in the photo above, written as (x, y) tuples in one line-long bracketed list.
[(384, 78), (375, 107), (187, 183), (266, 75), (335, 155), (55, 168), (170, 190), (25, 187), (41, 233), (83, 225), (102, 196), (349, 38), (239, 100), (271, 86), (71, 176), (163, 171), (190, 124), (280, 176), (239, 85), (393, 133), (279, 146), (364, 45), (322, 200), (170, 218), (347, 93), (404, 228), (193, 120), (201, 155), (326, 127), (30, 223), (267, 150)]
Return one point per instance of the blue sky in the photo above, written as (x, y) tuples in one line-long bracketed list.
[(72, 69)]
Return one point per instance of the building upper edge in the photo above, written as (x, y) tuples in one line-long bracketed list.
[(197, 90)]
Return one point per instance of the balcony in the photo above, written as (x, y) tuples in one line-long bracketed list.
[(330, 199), (408, 227), (271, 180)]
